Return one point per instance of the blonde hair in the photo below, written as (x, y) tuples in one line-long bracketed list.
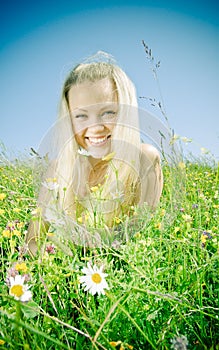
[(122, 172)]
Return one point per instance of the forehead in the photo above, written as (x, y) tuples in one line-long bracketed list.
[(90, 93)]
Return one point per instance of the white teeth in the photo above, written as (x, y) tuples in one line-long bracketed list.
[(97, 140)]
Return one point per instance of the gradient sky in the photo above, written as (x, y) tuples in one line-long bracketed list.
[(42, 40)]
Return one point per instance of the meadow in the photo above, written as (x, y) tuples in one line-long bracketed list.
[(157, 277), (162, 276)]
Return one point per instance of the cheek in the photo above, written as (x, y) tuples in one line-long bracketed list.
[(79, 138), (79, 135), (111, 126), (78, 129)]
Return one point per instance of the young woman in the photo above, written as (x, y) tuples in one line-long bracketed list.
[(102, 169)]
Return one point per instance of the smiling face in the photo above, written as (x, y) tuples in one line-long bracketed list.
[(93, 107)]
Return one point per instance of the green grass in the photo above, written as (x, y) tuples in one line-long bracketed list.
[(163, 280)]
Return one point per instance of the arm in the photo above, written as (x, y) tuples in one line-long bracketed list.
[(151, 175), (35, 230), (38, 225)]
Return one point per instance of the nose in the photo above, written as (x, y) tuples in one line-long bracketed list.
[(96, 128), (95, 124)]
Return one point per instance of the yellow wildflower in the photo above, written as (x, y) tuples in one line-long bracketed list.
[(6, 233), (21, 267), (36, 211), (17, 233), (187, 218), (181, 165), (186, 139), (94, 188), (177, 229), (20, 224), (117, 220), (16, 210), (2, 211), (67, 274), (163, 211), (158, 225), (202, 196), (109, 156), (115, 343), (80, 220), (2, 342), (2, 196), (86, 217), (130, 347), (204, 239), (174, 139), (204, 150), (137, 235), (50, 234)]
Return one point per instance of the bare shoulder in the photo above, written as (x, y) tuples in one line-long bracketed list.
[(150, 152)]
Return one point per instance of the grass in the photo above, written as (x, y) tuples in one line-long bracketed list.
[(163, 276), (163, 280)]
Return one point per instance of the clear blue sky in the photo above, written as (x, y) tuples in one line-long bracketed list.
[(41, 40)]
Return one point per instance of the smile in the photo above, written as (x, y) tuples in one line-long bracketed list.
[(98, 141)]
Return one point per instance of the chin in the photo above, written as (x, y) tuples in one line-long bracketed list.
[(98, 152)]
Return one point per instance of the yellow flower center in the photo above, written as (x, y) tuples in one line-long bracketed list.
[(17, 290), (96, 278)]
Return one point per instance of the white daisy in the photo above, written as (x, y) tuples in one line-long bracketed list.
[(52, 215), (51, 184), (18, 289), (94, 279), (83, 152)]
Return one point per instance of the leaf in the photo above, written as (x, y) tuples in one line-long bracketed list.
[(30, 309)]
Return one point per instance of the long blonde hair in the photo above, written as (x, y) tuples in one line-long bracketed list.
[(121, 178)]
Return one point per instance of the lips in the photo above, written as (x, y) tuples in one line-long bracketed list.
[(98, 141)]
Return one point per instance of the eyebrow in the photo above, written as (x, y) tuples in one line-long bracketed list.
[(79, 109), (110, 105)]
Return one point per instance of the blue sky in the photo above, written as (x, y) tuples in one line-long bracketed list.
[(41, 40)]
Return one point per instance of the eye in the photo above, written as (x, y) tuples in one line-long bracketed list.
[(107, 115), (81, 116)]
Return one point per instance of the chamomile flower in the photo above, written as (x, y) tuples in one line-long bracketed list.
[(19, 289), (94, 279), (83, 152), (52, 215), (51, 184)]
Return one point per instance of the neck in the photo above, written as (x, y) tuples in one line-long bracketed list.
[(98, 171)]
